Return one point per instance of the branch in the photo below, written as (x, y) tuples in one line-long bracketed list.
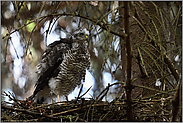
[(176, 101), (27, 112), (107, 88), (171, 67), (8, 34), (166, 58), (122, 45), (102, 25), (129, 63)]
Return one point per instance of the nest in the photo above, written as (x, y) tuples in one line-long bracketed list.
[(83, 110)]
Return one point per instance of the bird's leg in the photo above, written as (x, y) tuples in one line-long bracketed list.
[(66, 97), (58, 97)]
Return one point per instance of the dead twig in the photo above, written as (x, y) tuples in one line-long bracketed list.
[(28, 112), (79, 93), (85, 92)]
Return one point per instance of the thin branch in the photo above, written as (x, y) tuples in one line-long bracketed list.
[(103, 26), (27, 112), (152, 89), (85, 92), (171, 67), (8, 34), (177, 101), (109, 85), (84, 107), (79, 94), (14, 47)]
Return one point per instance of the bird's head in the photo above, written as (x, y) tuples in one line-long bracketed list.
[(81, 35)]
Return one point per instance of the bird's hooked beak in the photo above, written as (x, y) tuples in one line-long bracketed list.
[(81, 35), (86, 37), (82, 39)]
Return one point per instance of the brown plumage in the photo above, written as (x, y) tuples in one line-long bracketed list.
[(62, 67)]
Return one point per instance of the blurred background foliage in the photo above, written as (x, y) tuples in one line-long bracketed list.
[(151, 24)]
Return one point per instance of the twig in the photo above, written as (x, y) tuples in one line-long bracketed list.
[(76, 109), (85, 92), (79, 94), (8, 34), (119, 82), (27, 112), (152, 89), (167, 92), (104, 93), (103, 26), (171, 67), (176, 101), (13, 47)]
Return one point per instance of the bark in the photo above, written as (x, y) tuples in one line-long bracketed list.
[(129, 63), (177, 101), (122, 44)]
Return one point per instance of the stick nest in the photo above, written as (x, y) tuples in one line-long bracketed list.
[(82, 110)]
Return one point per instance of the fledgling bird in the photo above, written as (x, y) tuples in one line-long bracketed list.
[(62, 67)]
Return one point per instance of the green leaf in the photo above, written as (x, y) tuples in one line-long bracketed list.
[(30, 26)]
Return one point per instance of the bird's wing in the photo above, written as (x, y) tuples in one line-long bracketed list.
[(51, 59), (71, 71)]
